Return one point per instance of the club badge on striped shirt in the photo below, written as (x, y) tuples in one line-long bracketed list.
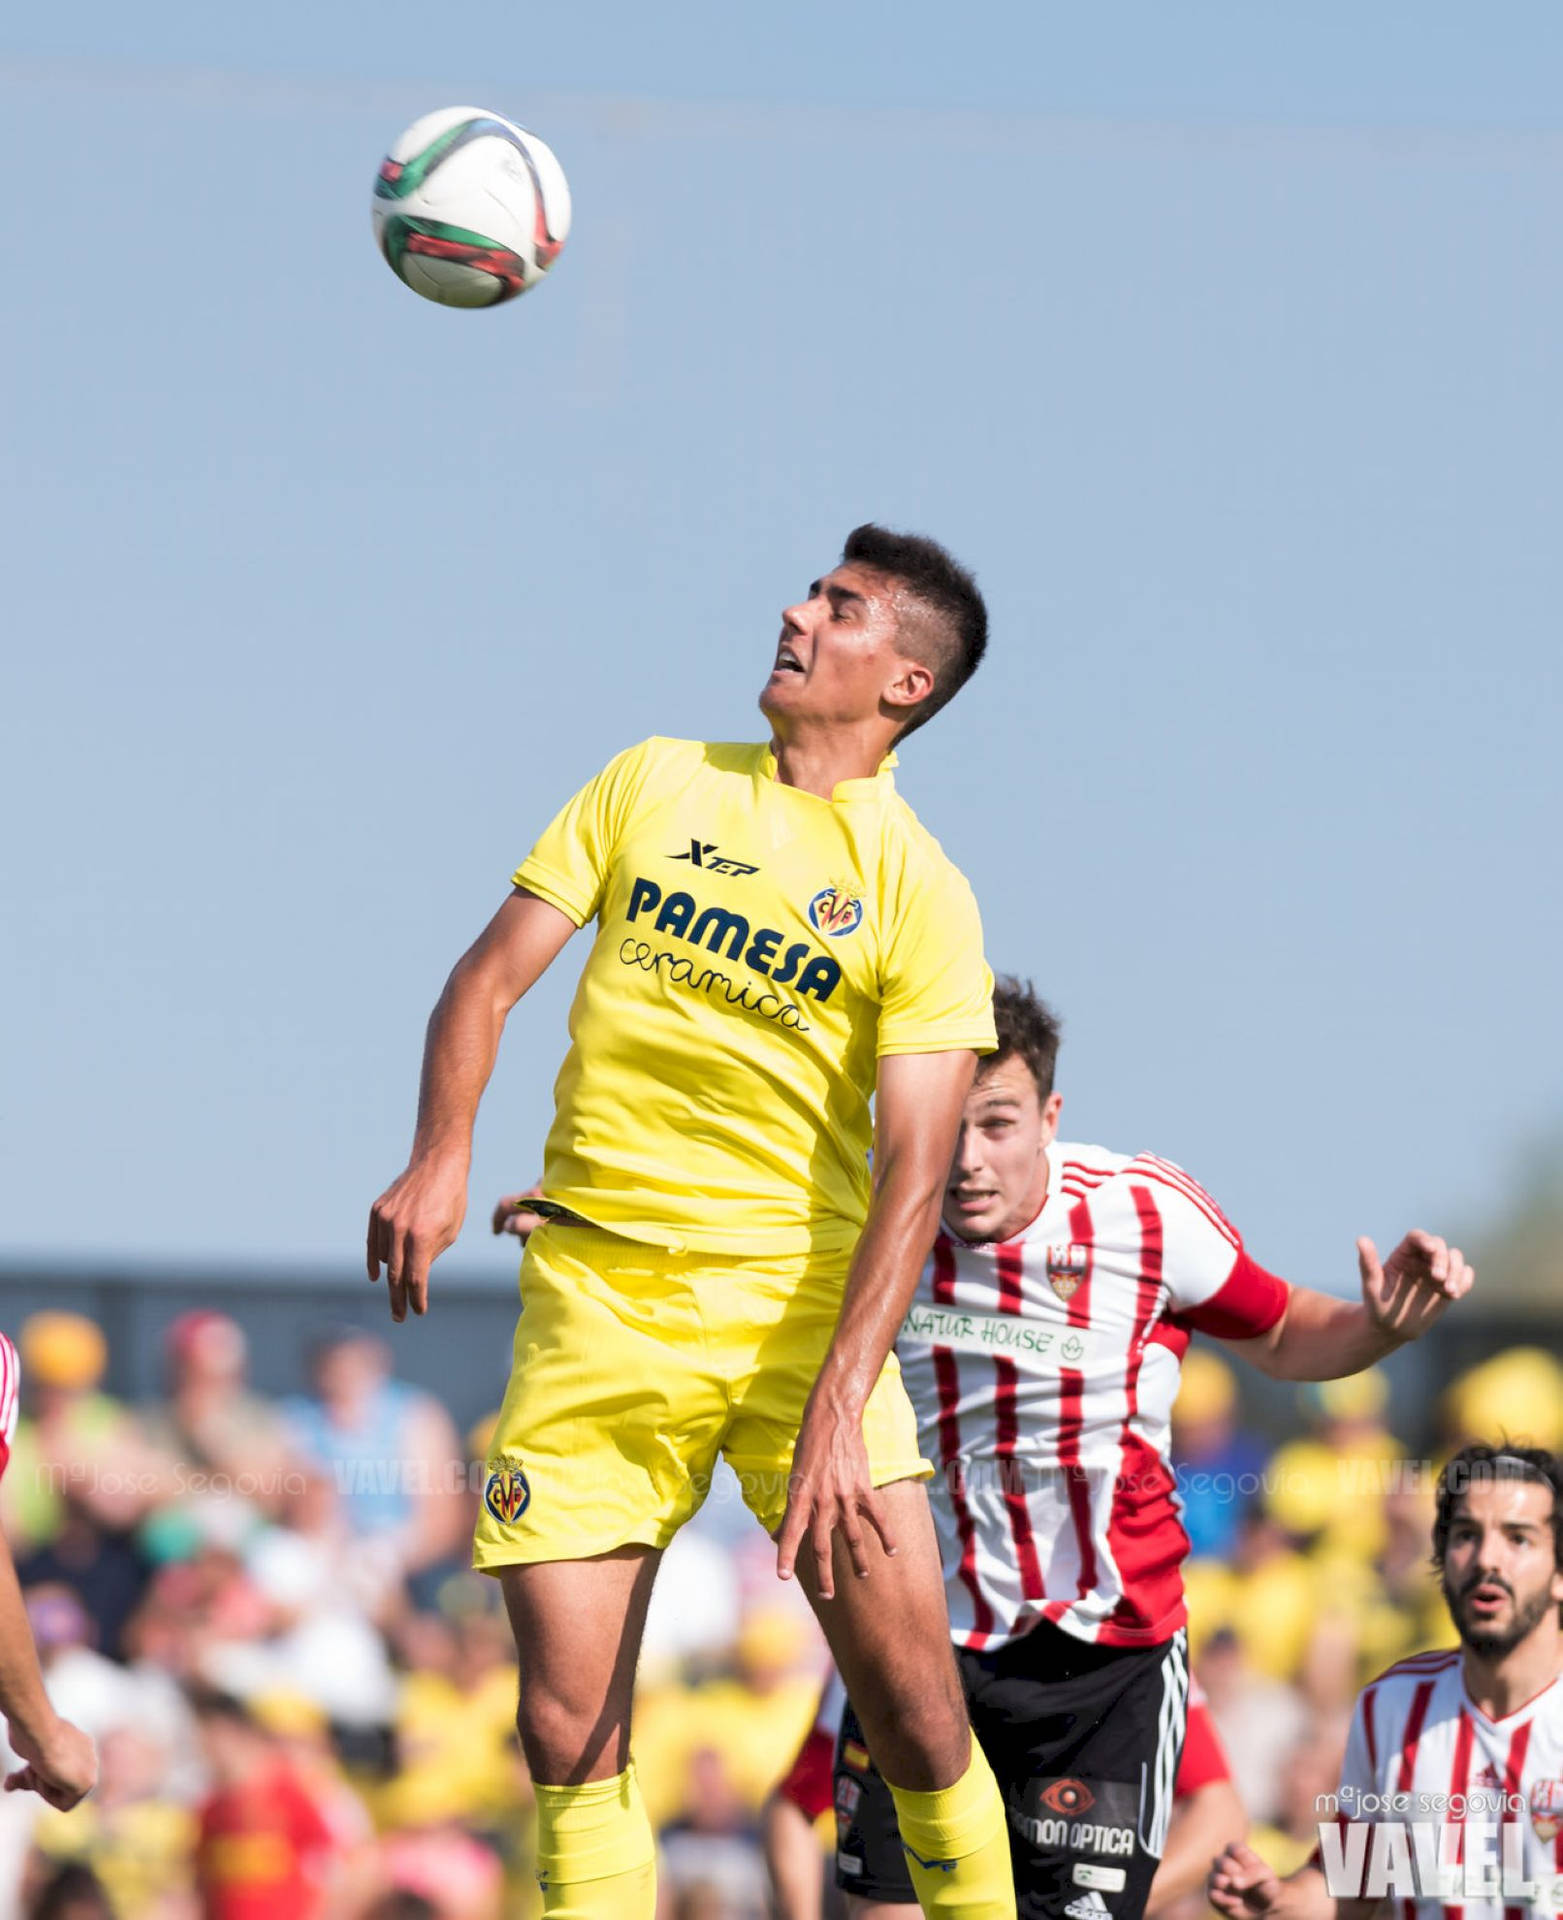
[(1546, 1808), (1066, 1268)]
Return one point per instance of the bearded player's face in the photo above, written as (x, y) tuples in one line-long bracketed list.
[(1501, 1577), (838, 654), (998, 1178)]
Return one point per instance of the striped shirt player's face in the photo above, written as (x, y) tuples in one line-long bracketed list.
[(839, 658), (1501, 1576), (998, 1178)]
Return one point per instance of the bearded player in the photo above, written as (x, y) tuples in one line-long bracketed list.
[(1468, 1739), (1042, 1353), (778, 941)]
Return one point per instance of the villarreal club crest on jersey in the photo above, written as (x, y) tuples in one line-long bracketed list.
[(836, 911)]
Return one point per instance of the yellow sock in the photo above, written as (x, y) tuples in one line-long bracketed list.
[(957, 1845), (596, 1855)]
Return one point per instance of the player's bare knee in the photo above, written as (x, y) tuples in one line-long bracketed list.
[(566, 1741), (923, 1745)]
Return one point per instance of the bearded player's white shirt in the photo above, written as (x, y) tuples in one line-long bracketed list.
[(1425, 1764), (1043, 1370)]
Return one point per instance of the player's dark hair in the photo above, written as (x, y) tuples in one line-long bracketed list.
[(1482, 1465), (1028, 1030), (946, 589), (403, 1904), (71, 1889), (209, 1703)]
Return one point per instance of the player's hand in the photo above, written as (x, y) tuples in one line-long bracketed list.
[(513, 1215), (411, 1225), (61, 1768), (1415, 1285), (830, 1489), (1242, 1884)]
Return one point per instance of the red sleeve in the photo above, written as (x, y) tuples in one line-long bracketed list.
[(1204, 1759), (808, 1781), (1247, 1303)]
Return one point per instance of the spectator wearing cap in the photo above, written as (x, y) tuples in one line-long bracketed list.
[(76, 1449), (224, 1438), (1329, 1487), (1518, 1393), (390, 1451)]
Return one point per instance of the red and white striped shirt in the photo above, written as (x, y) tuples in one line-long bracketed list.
[(1426, 1756), (10, 1392), (1043, 1371)]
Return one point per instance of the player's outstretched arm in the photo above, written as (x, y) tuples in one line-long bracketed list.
[(917, 1116), (1321, 1338), (1244, 1886), (420, 1213), (59, 1762)]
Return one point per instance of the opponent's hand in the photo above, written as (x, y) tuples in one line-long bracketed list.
[(1241, 1884), (830, 1488), (513, 1215), (61, 1768), (1417, 1283), (411, 1225)]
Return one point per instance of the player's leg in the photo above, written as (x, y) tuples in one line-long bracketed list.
[(601, 1451), (578, 1627), (1085, 1741), (890, 1634)]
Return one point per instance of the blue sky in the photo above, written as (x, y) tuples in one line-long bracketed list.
[(1221, 341)]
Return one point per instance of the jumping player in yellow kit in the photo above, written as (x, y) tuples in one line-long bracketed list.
[(778, 943)]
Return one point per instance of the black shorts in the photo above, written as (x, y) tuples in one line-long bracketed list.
[(1085, 1742)]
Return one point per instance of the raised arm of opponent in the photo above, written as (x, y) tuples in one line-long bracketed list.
[(420, 1213), (917, 1115), (1321, 1338)]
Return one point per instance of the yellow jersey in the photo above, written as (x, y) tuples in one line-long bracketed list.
[(758, 950)]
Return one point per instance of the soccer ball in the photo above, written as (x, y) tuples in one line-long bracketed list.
[(469, 209)]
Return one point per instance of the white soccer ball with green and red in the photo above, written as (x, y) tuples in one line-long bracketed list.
[(470, 209)]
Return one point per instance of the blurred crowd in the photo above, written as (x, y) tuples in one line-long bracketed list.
[(303, 1698)]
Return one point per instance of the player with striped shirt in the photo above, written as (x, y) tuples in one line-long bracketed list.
[(1042, 1353), (58, 1760), (1451, 1793)]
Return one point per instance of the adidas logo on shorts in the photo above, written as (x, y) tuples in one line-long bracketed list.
[(1089, 1906)]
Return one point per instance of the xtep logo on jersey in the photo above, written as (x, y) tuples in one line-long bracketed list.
[(703, 853)]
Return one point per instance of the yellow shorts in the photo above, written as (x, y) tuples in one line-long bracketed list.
[(634, 1368)]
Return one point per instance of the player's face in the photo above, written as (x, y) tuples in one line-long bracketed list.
[(1501, 1579), (838, 658), (998, 1178)]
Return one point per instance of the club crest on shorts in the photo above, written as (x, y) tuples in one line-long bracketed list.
[(1546, 1808), (835, 912), (507, 1493), (1066, 1268)]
